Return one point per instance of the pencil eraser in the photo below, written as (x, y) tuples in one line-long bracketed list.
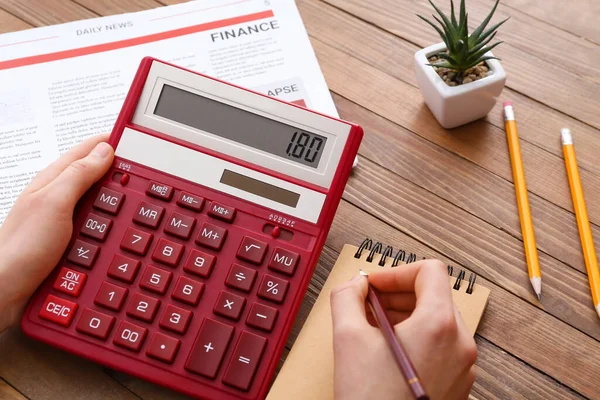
[(507, 103)]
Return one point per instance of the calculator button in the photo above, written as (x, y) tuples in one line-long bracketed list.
[(163, 347), (229, 305), (190, 201), (95, 323), (148, 215), (209, 348), (143, 307), (241, 278), (284, 261), (252, 250), (83, 254), (111, 296), (160, 191), (167, 252), (262, 317), (130, 336), (96, 227), (123, 268), (69, 281), (245, 360), (180, 225), (188, 290), (136, 241), (211, 236), (272, 288), (199, 263), (156, 279), (175, 319), (57, 310), (221, 211), (109, 201)]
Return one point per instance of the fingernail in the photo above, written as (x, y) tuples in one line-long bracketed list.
[(102, 150)]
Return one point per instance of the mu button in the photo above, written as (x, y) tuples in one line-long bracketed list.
[(252, 250)]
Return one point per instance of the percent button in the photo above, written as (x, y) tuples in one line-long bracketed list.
[(273, 288)]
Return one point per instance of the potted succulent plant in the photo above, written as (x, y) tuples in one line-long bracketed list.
[(460, 78)]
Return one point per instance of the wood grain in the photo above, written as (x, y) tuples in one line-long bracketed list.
[(538, 124), (42, 372), (555, 86), (10, 23), (7, 392), (46, 12), (516, 326)]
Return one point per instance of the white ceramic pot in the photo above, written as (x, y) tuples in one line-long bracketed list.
[(457, 105)]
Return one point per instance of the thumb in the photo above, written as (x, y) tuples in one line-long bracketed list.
[(68, 187), (348, 305)]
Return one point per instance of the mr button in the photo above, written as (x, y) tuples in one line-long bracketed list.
[(58, 310)]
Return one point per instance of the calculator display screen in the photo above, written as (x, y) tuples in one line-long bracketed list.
[(260, 188), (240, 126)]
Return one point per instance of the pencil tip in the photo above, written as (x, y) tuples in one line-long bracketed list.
[(598, 310), (536, 283)]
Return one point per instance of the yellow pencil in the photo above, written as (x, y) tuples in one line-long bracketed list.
[(531, 255), (583, 222)]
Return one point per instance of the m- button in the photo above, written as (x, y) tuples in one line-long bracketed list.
[(222, 212), (252, 250)]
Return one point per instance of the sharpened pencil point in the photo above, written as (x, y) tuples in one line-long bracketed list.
[(598, 310), (536, 283)]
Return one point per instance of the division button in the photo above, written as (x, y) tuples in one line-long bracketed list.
[(209, 348), (241, 278)]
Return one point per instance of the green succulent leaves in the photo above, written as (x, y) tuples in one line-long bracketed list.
[(464, 51)]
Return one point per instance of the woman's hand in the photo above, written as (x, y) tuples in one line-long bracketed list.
[(418, 300), (37, 230)]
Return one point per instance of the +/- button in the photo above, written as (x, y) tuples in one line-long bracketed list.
[(83, 253)]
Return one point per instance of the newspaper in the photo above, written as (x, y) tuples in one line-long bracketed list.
[(61, 84)]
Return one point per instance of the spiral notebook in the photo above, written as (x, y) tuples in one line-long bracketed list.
[(308, 370)]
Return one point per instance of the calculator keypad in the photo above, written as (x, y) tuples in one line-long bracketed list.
[(163, 281)]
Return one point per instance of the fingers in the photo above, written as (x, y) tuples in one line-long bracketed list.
[(402, 301), (348, 306), (77, 177), (77, 152)]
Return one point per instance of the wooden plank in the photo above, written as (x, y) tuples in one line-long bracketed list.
[(473, 243), (43, 372), (7, 392), (527, 332), (581, 19), (499, 374), (47, 12), (110, 7), (464, 184), (479, 142), (548, 83), (10, 23), (538, 124)]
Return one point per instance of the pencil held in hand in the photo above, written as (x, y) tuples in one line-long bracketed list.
[(404, 363), (583, 222), (533, 263)]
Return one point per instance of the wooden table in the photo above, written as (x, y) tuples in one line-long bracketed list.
[(438, 193)]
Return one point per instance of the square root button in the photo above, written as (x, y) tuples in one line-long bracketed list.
[(252, 250)]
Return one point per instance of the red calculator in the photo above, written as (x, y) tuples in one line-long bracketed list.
[(190, 258)]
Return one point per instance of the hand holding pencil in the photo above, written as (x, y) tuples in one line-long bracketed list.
[(418, 302)]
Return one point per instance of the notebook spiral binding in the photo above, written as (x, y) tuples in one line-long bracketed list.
[(405, 257)]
